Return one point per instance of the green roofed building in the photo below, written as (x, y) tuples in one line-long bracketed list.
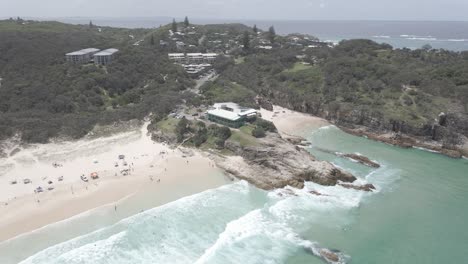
[(230, 114)]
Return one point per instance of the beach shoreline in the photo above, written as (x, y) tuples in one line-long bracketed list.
[(150, 168), (292, 123)]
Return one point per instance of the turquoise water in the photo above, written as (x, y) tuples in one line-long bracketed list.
[(417, 215)]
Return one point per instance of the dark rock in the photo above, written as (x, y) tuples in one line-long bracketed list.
[(363, 160), (275, 163), (367, 187), (264, 103), (329, 255)]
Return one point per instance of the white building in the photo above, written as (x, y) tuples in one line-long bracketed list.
[(81, 56), (194, 58), (177, 57), (105, 57), (180, 45), (230, 114), (209, 57)]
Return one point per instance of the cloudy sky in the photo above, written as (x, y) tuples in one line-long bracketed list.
[(451, 10)]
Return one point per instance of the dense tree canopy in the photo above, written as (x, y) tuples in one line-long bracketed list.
[(42, 96)]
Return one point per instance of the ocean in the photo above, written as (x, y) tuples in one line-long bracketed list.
[(450, 35), (417, 215)]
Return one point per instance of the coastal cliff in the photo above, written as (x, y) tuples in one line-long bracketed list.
[(276, 163), (447, 134)]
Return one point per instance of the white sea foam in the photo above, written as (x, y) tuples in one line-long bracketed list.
[(159, 235), (422, 38), (426, 149), (326, 127), (457, 40), (381, 36), (258, 237)]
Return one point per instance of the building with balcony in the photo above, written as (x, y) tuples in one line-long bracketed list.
[(81, 56), (104, 57)]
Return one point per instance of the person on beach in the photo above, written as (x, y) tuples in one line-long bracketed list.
[(115, 208)]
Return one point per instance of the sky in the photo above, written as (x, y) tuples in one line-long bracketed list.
[(449, 10)]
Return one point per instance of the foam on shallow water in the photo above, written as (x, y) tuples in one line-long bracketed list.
[(235, 223)]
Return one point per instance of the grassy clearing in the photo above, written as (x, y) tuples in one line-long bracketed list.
[(245, 140), (247, 129), (167, 125), (239, 60), (228, 91), (298, 66)]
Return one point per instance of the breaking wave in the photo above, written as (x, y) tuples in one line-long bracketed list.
[(236, 223)]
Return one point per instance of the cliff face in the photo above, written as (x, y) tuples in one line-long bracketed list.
[(447, 133), (276, 163)]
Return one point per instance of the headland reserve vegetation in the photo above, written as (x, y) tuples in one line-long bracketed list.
[(400, 96)]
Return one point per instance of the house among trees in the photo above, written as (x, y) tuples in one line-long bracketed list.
[(105, 57), (81, 56), (193, 58), (230, 114)]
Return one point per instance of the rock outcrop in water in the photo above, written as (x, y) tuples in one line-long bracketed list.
[(403, 141), (276, 163), (366, 187), (363, 160), (354, 157)]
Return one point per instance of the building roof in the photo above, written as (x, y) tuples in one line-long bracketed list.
[(194, 54), (224, 114), (236, 113), (248, 112), (210, 54), (82, 52), (106, 52), (176, 54)]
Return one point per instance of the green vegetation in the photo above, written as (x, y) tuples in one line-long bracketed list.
[(245, 140), (298, 66), (167, 125), (258, 132), (224, 91), (358, 82), (42, 96)]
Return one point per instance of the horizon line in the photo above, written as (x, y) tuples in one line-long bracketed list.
[(227, 19)]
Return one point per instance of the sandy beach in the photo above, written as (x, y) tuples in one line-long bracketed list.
[(147, 167), (290, 122)]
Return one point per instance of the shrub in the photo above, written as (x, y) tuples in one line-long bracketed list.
[(265, 125), (258, 132)]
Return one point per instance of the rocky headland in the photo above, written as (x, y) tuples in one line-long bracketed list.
[(276, 163)]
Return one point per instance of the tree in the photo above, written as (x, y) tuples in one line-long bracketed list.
[(186, 22), (255, 29), (426, 47), (174, 25), (181, 129), (152, 40), (265, 124), (246, 40), (271, 34), (258, 132)]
